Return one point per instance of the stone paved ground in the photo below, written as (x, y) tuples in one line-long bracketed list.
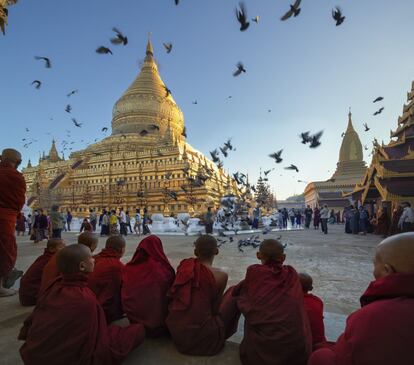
[(341, 266)]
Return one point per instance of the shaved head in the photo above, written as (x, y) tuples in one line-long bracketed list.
[(55, 244), (395, 255), (271, 250), (306, 281), (12, 156), (116, 242), (206, 246), (70, 258), (88, 239)]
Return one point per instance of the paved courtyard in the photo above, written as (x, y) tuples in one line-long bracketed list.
[(341, 266)]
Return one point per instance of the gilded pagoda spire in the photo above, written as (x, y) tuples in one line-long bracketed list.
[(53, 153)]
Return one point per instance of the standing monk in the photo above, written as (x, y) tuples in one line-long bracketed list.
[(12, 198)]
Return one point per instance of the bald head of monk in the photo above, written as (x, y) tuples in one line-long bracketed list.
[(75, 258), (55, 244), (395, 255), (12, 157), (117, 243), (271, 250), (306, 282), (206, 247), (88, 239)]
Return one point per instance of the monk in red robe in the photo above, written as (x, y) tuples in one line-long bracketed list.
[(30, 282), (51, 272), (68, 325), (146, 280), (276, 329), (105, 281), (381, 332), (199, 319), (12, 198), (314, 310)]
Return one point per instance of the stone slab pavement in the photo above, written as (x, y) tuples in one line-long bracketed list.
[(340, 264)]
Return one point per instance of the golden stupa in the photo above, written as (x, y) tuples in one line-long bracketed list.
[(349, 170), (145, 162)]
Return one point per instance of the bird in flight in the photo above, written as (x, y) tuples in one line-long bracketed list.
[(177, 2), (37, 84), (76, 123), (104, 129), (184, 132), (73, 92), (306, 138), (120, 38), (241, 15), (240, 69), (103, 50), (214, 155), (292, 167), (294, 10), (277, 156), (267, 172), (153, 127), (48, 64), (143, 133), (378, 99), (337, 15), (167, 91), (168, 47), (256, 19), (315, 140), (379, 111), (68, 108), (195, 102), (366, 127), (228, 145)]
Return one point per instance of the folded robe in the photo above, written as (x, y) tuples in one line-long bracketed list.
[(194, 326), (105, 282), (68, 326), (50, 274), (12, 197), (276, 327), (30, 281), (146, 280), (314, 310), (379, 333)]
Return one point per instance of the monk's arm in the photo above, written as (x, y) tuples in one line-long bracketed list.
[(221, 280)]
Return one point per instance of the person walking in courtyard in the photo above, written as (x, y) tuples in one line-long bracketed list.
[(209, 219), (43, 225), (324, 218), (113, 223), (316, 218), (145, 222), (122, 222), (363, 220), (354, 220), (138, 222), (128, 222), (56, 221), (105, 223), (292, 217), (20, 224), (69, 219), (93, 219), (308, 216), (406, 221)]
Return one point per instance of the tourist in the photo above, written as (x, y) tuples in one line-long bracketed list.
[(292, 216), (145, 222), (69, 219), (406, 221), (20, 224), (298, 216), (280, 219), (105, 280), (128, 221), (138, 222), (314, 310), (316, 218), (68, 325), (56, 221), (276, 328), (12, 198), (363, 220), (308, 216), (104, 223), (209, 221), (86, 226), (285, 217), (113, 223), (122, 222), (380, 332), (43, 225), (145, 282), (93, 219), (198, 321), (324, 218), (32, 278)]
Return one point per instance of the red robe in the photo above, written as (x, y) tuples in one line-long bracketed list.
[(30, 282), (314, 309), (194, 326), (105, 282), (12, 198), (49, 275), (145, 282), (68, 326), (379, 333), (276, 329)]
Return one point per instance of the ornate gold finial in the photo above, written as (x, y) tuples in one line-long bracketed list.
[(150, 49)]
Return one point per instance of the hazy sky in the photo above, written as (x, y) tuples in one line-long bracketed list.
[(306, 70)]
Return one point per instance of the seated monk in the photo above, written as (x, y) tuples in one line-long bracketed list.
[(51, 272), (146, 280), (314, 309), (30, 282), (199, 320), (276, 329), (105, 281), (381, 332), (68, 325)]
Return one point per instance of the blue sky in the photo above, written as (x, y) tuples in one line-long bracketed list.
[(306, 70)]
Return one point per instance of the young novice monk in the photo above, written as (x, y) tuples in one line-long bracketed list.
[(314, 309), (51, 272), (30, 282), (145, 282), (68, 325), (105, 281), (276, 329), (198, 320), (381, 332)]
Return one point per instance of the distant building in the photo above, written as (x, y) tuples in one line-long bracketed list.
[(349, 170)]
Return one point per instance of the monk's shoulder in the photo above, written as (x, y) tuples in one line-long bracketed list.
[(220, 275)]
